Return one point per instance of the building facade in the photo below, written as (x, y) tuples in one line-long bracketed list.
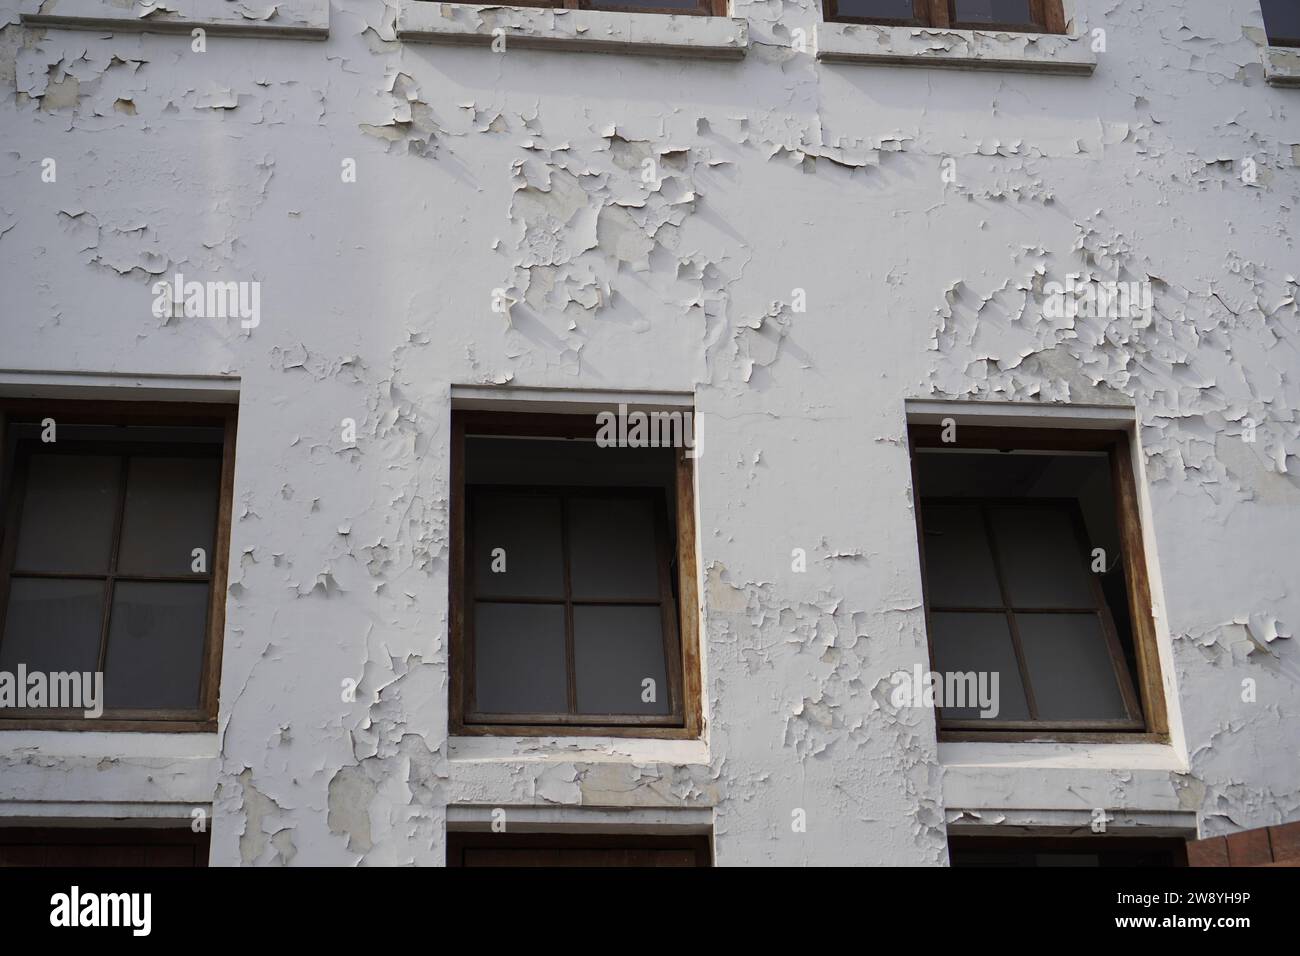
[(461, 432)]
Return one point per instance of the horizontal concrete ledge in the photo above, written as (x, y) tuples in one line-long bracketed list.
[(303, 19), (583, 819), (955, 49), (1282, 65), (99, 814), (118, 386), (596, 31)]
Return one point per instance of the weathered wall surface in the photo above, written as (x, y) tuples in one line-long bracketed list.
[(522, 171)]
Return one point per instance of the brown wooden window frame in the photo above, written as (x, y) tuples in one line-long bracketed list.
[(1272, 40), (132, 413), (1143, 693), (1048, 16), (703, 8), (681, 629)]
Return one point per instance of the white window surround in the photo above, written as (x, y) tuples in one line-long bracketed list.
[(995, 822), (106, 775), (1282, 65), (602, 31), (1069, 53), (1117, 417), (307, 19)]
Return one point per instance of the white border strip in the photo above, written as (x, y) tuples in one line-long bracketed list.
[(583, 819), (126, 386)]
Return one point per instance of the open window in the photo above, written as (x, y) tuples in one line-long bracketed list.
[(1035, 582), (1282, 22), (1021, 16), (113, 562), (573, 581)]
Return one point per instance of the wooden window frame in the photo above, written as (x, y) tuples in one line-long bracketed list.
[(461, 842), (202, 719), (1149, 689), (1047, 16), (1272, 40), (703, 8), (684, 662)]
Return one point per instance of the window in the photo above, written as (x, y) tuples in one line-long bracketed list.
[(570, 849), (1034, 851), (1025, 16), (107, 847), (1035, 582), (1282, 21), (573, 581), (703, 8), (113, 560)]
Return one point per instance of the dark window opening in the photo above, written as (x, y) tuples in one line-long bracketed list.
[(1032, 568), (572, 562), (102, 847), (1282, 21), (585, 850), (1113, 851)]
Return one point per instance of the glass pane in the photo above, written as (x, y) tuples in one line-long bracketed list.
[(980, 645), (958, 562), (1015, 12), (52, 625), (876, 9), (1043, 563), (612, 550), (519, 659), (68, 513), (1282, 20), (524, 533), (171, 509), (1070, 667), (155, 645), (616, 649)]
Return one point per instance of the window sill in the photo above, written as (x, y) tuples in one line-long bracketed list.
[(955, 49), (564, 749), (281, 18), (597, 31), (1031, 757), (1282, 65)]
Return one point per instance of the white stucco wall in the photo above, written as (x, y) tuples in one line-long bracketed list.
[(773, 170)]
